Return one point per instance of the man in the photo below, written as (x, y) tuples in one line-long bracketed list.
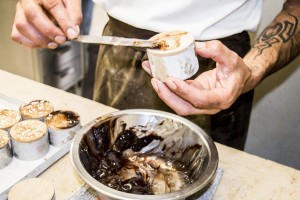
[(216, 89)]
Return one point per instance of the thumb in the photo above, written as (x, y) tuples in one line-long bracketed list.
[(216, 50), (146, 67)]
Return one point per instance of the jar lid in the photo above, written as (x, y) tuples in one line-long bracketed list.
[(33, 188), (36, 109), (28, 130), (8, 118)]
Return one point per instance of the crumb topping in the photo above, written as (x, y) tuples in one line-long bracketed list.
[(36, 109), (3, 138), (28, 130), (8, 118)]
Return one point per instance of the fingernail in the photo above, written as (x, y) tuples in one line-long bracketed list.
[(154, 84), (71, 33), (200, 45), (171, 84), (52, 45), (60, 39)]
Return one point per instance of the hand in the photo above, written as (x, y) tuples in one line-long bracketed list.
[(210, 92), (35, 22)]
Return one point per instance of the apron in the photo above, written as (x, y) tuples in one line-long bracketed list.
[(121, 82)]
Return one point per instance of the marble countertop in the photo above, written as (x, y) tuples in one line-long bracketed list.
[(245, 176)]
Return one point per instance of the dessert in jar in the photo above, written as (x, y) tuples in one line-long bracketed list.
[(5, 149), (175, 56), (29, 139), (8, 118), (36, 109), (62, 126)]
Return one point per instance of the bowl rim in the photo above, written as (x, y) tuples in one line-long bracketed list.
[(112, 193)]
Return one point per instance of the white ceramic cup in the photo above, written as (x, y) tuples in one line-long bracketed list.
[(175, 56)]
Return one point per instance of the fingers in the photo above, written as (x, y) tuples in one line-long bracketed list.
[(200, 97), (36, 17), (211, 91), (74, 10), (146, 67), (21, 39), (167, 93), (46, 23), (218, 52), (25, 33), (230, 67), (60, 12)]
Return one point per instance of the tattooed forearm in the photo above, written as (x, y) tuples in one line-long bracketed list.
[(276, 46), (279, 32)]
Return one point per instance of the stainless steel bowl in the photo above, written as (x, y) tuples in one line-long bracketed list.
[(202, 166)]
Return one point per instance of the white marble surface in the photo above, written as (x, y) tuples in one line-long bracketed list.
[(245, 176)]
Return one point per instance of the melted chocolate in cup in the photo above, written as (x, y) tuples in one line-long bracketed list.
[(29, 139), (36, 109), (175, 56), (62, 126), (5, 149), (8, 118)]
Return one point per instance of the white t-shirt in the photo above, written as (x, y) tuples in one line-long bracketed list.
[(205, 19)]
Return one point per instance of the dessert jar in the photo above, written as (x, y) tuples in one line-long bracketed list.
[(175, 56), (29, 139), (36, 109), (8, 118), (5, 149), (62, 126)]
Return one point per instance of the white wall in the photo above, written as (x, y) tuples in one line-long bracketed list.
[(274, 131)]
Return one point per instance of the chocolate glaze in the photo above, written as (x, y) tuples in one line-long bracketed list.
[(106, 160), (72, 118)]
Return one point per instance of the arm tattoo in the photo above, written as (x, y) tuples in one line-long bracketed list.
[(279, 32)]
